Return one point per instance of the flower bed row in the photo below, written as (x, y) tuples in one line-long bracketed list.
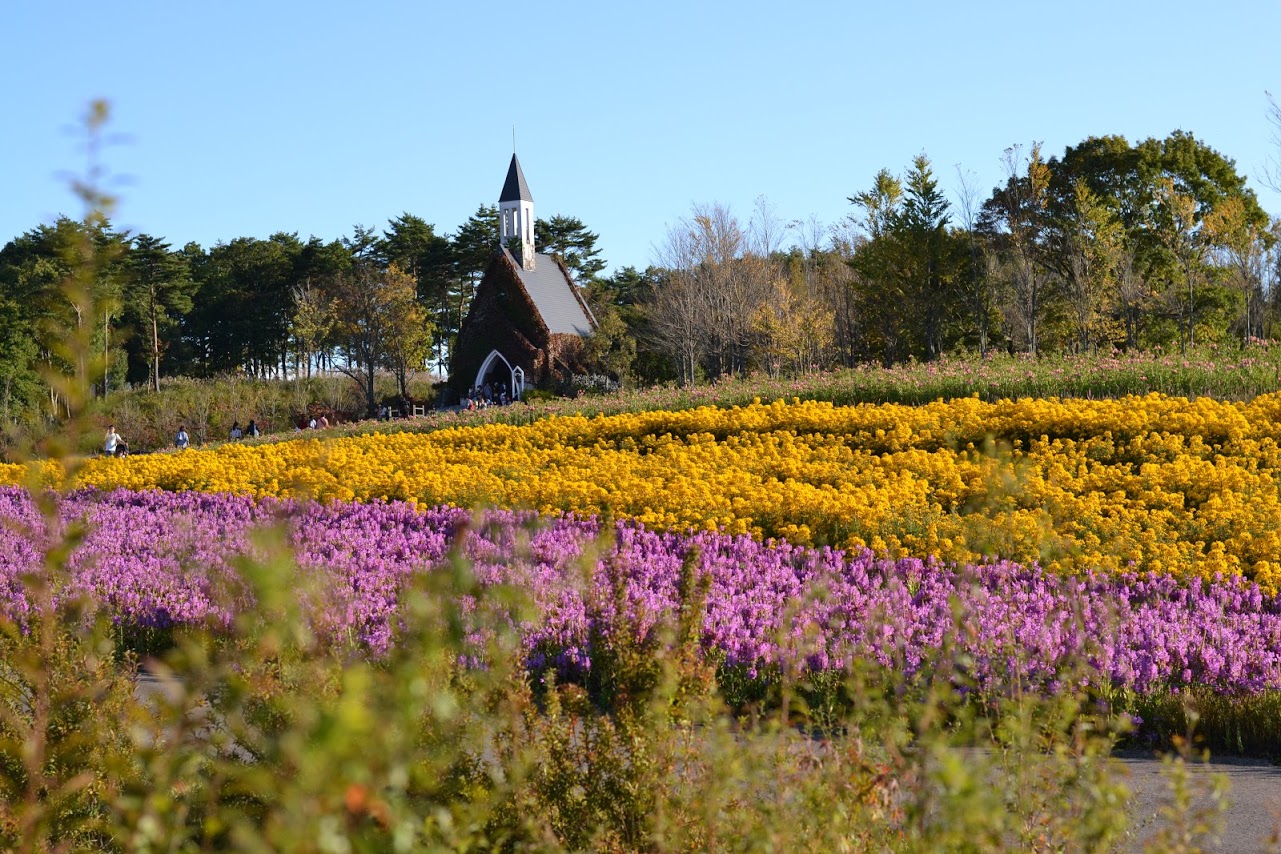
[(156, 559), (1145, 483)]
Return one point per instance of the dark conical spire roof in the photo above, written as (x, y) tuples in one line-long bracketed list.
[(514, 188)]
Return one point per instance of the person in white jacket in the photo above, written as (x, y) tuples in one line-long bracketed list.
[(113, 442)]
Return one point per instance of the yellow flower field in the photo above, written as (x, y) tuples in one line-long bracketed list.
[(1156, 483)]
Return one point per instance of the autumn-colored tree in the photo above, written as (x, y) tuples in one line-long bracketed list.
[(408, 339), (411, 243), (378, 323), (793, 333), (312, 323), (1241, 247)]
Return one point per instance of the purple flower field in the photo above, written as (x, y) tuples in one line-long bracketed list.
[(159, 559)]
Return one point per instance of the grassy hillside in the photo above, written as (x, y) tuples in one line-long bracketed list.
[(1223, 374), (148, 420)]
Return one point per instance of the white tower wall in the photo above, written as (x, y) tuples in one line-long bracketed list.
[(516, 220)]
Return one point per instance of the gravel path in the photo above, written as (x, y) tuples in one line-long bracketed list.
[(1252, 822)]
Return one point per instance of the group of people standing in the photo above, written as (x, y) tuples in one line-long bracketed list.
[(494, 394)]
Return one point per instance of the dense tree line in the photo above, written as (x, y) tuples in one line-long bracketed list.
[(1110, 245), (266, 308)]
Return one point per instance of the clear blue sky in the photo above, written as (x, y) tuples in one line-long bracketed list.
[(246, 118)]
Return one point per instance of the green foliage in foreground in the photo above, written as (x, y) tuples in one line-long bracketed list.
[(255, 737)]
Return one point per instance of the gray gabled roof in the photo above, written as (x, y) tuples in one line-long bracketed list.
[(514, 188), (554, 297)]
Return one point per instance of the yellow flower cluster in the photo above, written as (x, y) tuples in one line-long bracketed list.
[(1153, 483)]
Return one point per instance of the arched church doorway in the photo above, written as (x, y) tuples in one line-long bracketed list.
[(497, 375)]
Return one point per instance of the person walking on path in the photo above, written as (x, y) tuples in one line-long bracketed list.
[(113, 442), (182, 441)]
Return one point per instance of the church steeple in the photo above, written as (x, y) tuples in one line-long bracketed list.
[(516, 213)]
